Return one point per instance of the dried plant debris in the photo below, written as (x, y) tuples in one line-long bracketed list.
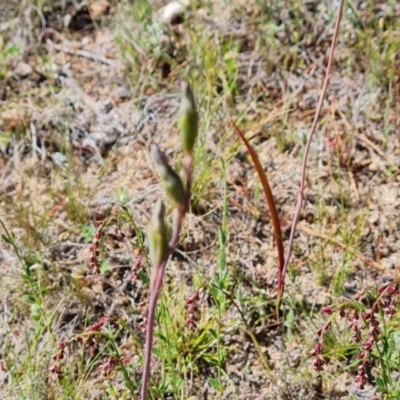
[(87, 87)]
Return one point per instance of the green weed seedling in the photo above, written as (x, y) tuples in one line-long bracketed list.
[(6, 52), (88, 232)]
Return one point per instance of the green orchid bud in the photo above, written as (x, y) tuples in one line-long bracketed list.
[(189, 120), (157, 235), (170, 179)]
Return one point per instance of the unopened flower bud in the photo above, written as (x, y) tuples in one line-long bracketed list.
[(169, 178), (188, 123), (368, 344), (392, 290), (318, 348), (55, 369), (318, 362), (367, 314), (382, 289), (391, 311), (157, 235)]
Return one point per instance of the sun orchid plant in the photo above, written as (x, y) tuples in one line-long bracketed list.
[(160, 246)]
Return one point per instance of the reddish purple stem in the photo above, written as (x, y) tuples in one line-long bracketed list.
[(158, 275), (155, 291), (307, 149)]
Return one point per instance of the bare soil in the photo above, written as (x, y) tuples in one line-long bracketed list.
[(78, 139)]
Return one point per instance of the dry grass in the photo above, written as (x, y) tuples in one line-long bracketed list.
[(79, 107)]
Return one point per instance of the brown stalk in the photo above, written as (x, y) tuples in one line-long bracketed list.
[(270, 200), (283, 261)]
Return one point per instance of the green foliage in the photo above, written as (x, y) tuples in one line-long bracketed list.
[(88, 232), (7, 51)]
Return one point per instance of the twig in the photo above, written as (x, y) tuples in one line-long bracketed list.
[(300, 197), (81, 53), (373, 146)]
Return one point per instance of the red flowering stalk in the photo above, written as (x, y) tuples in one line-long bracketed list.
[(109, 365), (135, 268), (56, 370), (145, 309), (89, 337), (98, 325), (95, 245), (367, 326), (193, 311), (94, 249), (317, 352)]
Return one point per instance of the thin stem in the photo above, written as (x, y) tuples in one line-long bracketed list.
[(155, 291), (281, 281), (11, 241), (158, 275), (188, 168)]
